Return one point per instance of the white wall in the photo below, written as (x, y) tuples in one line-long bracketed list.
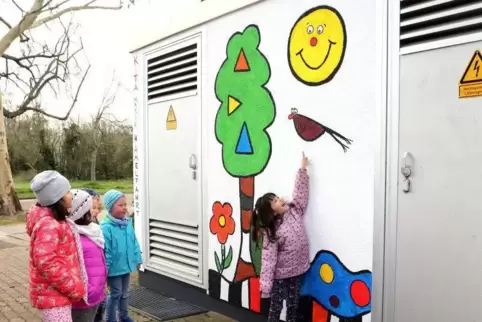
[(341, 203), (340, 213)]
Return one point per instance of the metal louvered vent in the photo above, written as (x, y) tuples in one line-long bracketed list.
[(423, 21), (174, 247), (171, 73)]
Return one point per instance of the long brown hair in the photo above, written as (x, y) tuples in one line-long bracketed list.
[(58, 209), (264, 219)]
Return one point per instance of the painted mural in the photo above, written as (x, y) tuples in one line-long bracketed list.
[(222, 225), (334, 290), (316, 49), (316, 45), (310, 130), (247, 109)]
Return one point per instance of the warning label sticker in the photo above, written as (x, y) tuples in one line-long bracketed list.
[(470, 84)]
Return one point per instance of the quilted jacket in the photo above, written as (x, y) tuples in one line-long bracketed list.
[(96, 273), (55, 278), (122, 251), (289, 255)]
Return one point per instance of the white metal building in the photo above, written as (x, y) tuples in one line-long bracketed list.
[(228, 94)]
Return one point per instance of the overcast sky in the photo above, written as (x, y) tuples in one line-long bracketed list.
[(106, 49)]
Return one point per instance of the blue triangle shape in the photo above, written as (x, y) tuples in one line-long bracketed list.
[(244, 142)]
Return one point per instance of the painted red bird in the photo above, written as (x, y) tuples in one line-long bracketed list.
[(310, 130)]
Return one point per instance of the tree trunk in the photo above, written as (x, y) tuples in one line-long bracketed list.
[(93, 165), (9, 203), (245, 269)]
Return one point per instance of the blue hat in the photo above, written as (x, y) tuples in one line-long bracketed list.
[(91, 192), (111, 197)]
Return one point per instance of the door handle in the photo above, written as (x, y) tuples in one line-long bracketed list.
[(406, 171), (406, 167), (193, 162)]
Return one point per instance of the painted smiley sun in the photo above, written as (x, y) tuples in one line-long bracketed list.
[(316, 46)]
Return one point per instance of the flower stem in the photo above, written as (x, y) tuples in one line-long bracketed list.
[(223, 256)]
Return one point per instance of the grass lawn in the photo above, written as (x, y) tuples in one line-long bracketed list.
[(24, 192)]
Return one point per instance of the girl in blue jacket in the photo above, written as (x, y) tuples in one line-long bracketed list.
[(122, 254)]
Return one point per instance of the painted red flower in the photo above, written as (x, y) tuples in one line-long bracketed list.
[(222, 223)]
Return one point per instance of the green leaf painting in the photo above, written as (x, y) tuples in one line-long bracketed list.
[(247, 107), (218, 263), (229, 258)]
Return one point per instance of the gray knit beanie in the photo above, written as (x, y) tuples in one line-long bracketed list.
[(49, 187)]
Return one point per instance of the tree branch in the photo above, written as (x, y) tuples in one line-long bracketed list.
[(108, 98), (24, 24), (41, 66), (37, 109), (5, 23), (48, 67), (56, 15)]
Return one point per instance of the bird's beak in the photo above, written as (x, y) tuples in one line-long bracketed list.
[(290, 117)]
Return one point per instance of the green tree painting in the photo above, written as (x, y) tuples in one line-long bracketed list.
[(247, 110)]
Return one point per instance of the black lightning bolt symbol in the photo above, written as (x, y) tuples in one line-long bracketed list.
[(476, 68)]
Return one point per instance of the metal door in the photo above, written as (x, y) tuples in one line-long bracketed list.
[(439, 222), (174, 161)]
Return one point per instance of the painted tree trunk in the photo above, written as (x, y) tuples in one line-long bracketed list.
[(245, 268), (248, 269), (9, 203)]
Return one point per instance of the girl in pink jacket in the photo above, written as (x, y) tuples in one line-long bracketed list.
[(93, 261), (285, 256)]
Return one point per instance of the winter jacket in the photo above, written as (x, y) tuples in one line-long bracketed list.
[(289, 255), (96, 273), (55, 278), (122, 251)]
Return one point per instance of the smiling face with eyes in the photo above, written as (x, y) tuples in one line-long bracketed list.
[(316, 46)]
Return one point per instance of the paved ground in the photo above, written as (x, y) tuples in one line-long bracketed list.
[(14, 302)]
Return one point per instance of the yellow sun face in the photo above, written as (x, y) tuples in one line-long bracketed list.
[(316, 46)]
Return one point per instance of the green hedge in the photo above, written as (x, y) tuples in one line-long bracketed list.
[(23, 187)]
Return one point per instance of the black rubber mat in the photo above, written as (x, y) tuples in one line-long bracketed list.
[(161, 307)]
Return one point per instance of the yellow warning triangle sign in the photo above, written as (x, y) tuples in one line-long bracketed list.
[(473, 72), (171, 122), (233, 104), (171, 117)]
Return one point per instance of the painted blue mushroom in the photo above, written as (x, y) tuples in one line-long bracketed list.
[(341, 292)]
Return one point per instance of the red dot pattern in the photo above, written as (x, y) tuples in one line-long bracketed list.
[(360, 293)]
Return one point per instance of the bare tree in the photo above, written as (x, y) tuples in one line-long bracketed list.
[(108, 99), (38, 66), (11, 205)]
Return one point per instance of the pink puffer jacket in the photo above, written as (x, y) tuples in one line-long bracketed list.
[(96, 273), (289, 255)]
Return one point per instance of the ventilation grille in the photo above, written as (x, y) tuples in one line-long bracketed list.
[(174, 247), (423, 21), (172, 73)]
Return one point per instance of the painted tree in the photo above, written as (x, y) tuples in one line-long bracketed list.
[(247, 110)]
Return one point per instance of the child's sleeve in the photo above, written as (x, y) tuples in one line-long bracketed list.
[(301, 192), (107, 246), (268, 266)]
